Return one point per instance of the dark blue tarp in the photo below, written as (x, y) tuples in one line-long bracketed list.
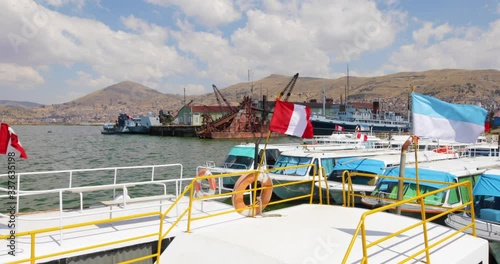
[(488, 184), (360, 165), (423, 174)]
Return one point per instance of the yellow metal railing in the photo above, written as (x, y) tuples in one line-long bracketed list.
[(32, 234), (161, 234), (360, 230)]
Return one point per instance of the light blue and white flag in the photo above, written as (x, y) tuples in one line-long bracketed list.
[(441, 120)]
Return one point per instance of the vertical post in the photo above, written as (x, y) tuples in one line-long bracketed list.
[(402, 165)]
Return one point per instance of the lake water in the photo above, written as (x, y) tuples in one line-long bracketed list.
[(51, 148)]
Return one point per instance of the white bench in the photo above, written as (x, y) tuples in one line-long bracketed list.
[(119, 201)]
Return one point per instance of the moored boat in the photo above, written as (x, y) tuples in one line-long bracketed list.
[(363, 172), (486, 207), (351, 116), (324, 162), (432, 176)]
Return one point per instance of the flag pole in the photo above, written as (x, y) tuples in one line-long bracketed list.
[(263, 157)]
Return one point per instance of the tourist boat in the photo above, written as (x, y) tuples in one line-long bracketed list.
[(324, 162), (346, 138), (131, 125), (432, 176), (119, 127), (366, 168), (351, 116), (142, 124), (150, 218), (486, 207), (241, 157)]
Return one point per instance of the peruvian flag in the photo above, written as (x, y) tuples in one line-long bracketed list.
[(339, 128), (10, 142), (362, 137), (292, 119)]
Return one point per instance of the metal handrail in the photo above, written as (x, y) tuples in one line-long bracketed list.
[(360, 230)]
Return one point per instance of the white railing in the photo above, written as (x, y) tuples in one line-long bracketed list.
[(5, 193)]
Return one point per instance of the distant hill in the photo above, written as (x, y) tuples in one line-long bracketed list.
[(452, 85), (19, 103), (120, 93)]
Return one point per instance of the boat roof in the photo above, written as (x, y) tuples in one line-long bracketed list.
[(444, 170), (488, 183), (336, 153)]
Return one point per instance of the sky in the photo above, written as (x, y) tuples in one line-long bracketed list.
[(54, 51)]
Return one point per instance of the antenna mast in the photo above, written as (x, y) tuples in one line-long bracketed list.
[(347, 87)]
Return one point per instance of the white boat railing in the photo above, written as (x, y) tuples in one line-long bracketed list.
[(20, 192), (121, 204)]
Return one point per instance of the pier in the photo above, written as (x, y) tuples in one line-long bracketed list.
[(174, 130)]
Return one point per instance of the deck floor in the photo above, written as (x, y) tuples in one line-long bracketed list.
[(318, 234), (90, 235)]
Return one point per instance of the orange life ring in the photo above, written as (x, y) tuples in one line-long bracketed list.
[(265, 195), (212, 184), (444, 149)]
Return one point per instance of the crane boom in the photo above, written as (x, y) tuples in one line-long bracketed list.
[(287, 91), (219, 95)]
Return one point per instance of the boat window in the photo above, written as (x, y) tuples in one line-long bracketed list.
[(271, 157), (238, 162), (311, 169), (287, 161), (435, 199), (328, 165), (336, 176), (454, 196), (464, 190)]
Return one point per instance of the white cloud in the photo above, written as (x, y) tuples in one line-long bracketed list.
[(140, 56), (210, 13), (469, 51), (86, 80), (19, 77), (58, 3), (286, 38), (423, 35)]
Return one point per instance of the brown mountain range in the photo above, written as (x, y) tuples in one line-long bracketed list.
[(452, 85)]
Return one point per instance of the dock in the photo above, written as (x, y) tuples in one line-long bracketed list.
[(174, 130)]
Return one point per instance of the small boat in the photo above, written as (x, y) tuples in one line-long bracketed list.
[(352, 116), (143, 124), (361, 181), (242, 157), (119, 127), (432, 176), (324, 162), (486, 207)]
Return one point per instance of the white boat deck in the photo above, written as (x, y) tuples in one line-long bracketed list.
[(101, 233), (319, 234)]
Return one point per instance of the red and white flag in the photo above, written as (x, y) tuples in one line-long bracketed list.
[(292, 119), (362, 137), (10, 142), (339, 128)]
